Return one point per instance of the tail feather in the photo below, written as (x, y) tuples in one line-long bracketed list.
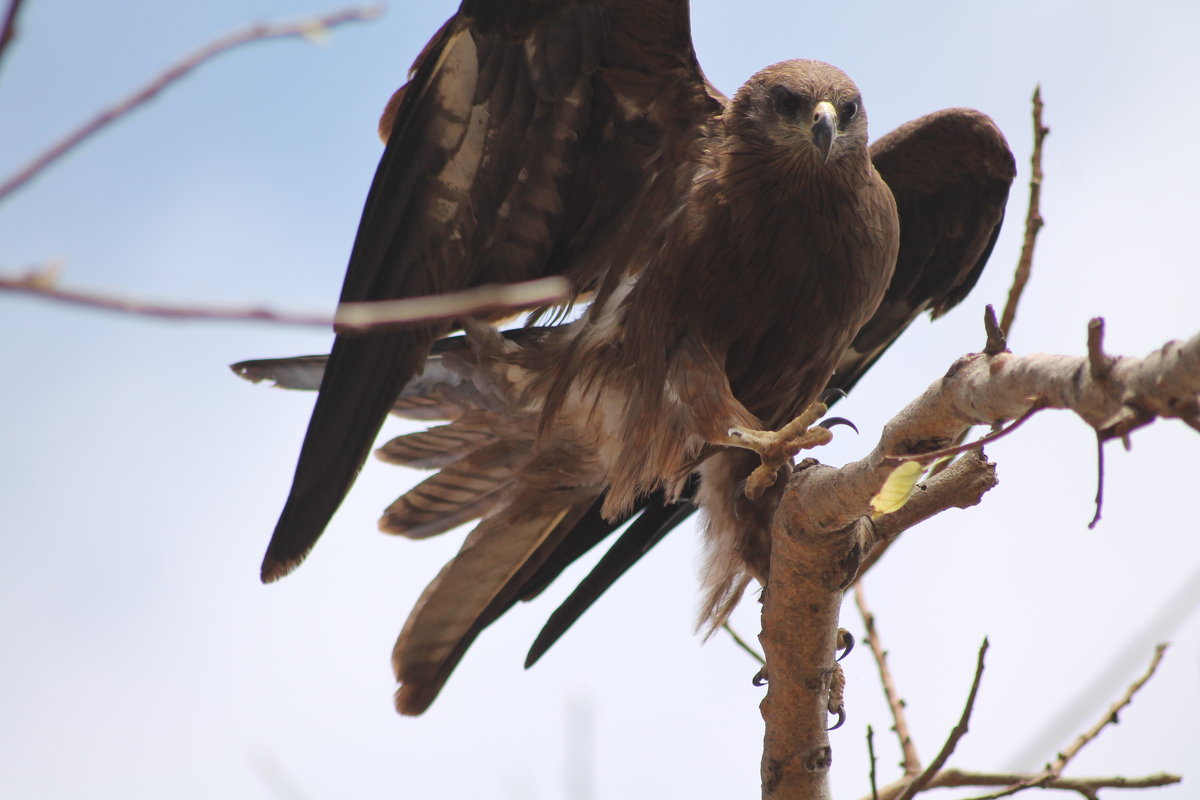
[(439, 447), (476, 587), (465, 490)]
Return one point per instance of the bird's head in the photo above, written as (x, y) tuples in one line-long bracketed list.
[(810, 109)]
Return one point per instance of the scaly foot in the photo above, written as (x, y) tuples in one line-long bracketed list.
[(777, 448)]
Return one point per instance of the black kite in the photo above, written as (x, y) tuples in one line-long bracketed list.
[(739, 258)]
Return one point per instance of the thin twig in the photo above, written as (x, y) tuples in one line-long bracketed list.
[(1033, 219), (956, 735), (742, 643), (1099, 482), (912, 761), (349, 317), (934, 455), (871, 755), (8, 29), (1110, 716), (1053, 771), (306, 28), (1088, 787)]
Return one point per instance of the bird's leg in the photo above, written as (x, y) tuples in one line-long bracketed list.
[(777, 448)]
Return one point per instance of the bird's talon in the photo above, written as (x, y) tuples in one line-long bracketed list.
[(841, 712), (845, 642), (832, 422), (777, 448)]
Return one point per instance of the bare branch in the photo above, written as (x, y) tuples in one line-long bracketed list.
[(871, 756), (8, 28), (1099, 482), (1088, 787), (960, 730), (911, 761), (1053, 771), (822, 529), (1033, 219), (358, 317), (305, 28), (1110, 716), (742, 643), (983, 390)]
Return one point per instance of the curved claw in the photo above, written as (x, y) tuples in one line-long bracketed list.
[(845, 642), (830, 422), (841, 712), (831, 394), (760, 677)]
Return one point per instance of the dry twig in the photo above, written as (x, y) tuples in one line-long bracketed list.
[(1049, 778), (1053, 771), (871, 756), (742, 643), (8, 28), (306, 28), (960, 730), (1033, 219), (352, 317), (911, 761)]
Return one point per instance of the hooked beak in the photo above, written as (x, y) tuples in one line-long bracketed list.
[(824, 129)]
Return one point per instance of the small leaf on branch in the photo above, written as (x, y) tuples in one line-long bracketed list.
[(896, 490)]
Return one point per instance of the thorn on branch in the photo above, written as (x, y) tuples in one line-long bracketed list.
[(1099, 363), (997, 343)]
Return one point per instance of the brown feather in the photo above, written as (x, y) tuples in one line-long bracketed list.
[(733, 249)]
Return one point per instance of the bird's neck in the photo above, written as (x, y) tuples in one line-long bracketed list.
[(773, 174)]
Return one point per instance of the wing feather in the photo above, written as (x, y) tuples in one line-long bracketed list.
[(950, 172), (518, 116)]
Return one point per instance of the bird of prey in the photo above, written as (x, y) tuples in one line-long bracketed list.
[(739, 255)]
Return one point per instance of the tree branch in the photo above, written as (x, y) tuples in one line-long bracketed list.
[(1053, 771), (1051, 776), (1033, 219), (987, 390), (822, 532), (350, 317), (911, 761), (306, 28), (960, 730), (8, 28)]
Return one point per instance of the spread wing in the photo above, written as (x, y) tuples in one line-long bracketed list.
[(532, 139), (950, 173)]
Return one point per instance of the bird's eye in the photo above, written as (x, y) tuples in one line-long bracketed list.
[(848, 111), (787, 102)]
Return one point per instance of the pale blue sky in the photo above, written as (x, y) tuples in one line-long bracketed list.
[(140, 480)]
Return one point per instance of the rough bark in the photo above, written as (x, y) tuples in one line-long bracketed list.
[(823, 531)]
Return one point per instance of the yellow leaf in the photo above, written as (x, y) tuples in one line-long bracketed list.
[(896, 489)]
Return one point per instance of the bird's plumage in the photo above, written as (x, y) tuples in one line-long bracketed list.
[(732, 249)]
